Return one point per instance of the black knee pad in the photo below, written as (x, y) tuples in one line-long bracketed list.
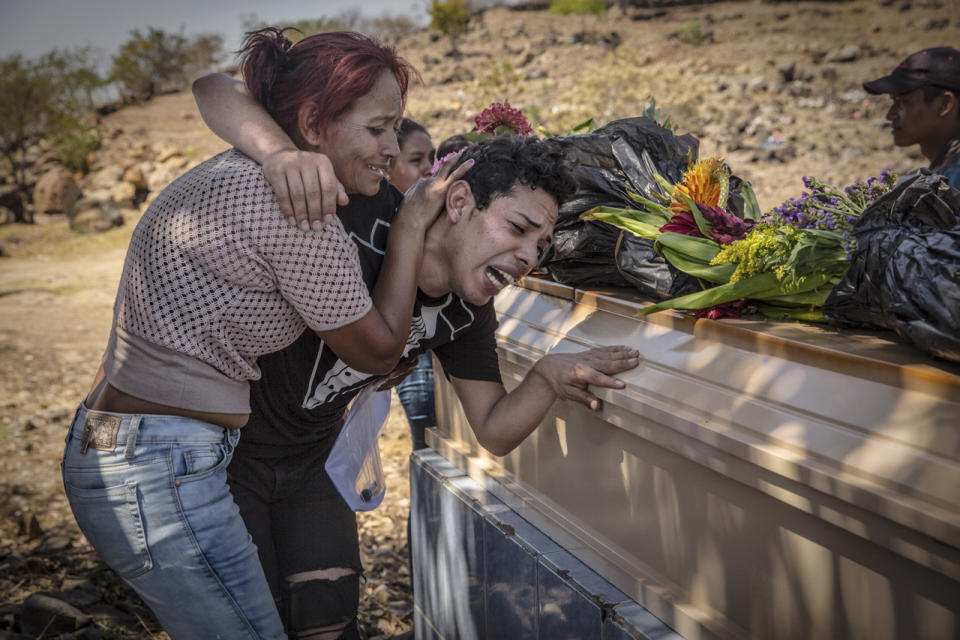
[(321, 603)]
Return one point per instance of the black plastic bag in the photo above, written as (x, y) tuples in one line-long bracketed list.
[(648, 271), (905, 272), (619, 157), (615, 159), (581, 255)]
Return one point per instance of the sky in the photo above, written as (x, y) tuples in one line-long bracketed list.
[(33, 27)]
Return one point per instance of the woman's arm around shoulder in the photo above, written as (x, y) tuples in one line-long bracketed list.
[(305, 184)]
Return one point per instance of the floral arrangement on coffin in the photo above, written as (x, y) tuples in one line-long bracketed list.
[(783, 264), (499, 119)]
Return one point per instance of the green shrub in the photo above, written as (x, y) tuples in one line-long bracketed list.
[(579, 7), (151, 62), (691, 33), (451, 18), (45, 98), (74, 146)]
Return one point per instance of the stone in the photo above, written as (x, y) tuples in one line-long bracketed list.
[(160, 177), (7, 215), (56, 192), (829, 74), (104, 178), (167, 153), (934, 24), (79, 592), (123, 193), (47, 615), (526, 59), (175, 162), (53, 544), (135, 176), (95, 215), (848, 53), (757, 83)]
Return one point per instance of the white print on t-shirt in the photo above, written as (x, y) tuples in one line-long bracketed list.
[(340, 378), (371, 243)]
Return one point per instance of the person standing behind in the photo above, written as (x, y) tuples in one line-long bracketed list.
[(925, 89), (416, 391)]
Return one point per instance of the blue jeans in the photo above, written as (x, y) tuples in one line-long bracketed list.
[(416, 396), (150, 494)]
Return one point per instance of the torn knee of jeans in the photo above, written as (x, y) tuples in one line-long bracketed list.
[(322, 604)]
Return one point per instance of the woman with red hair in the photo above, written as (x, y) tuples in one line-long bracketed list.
[(215, 278)]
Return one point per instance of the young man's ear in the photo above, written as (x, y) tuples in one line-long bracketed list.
[(460, 202), (951, 103), (307, 119)]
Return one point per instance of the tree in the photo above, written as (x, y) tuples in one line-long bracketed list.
[(450, 18), (579, 7), (45, 98), (151, 62)]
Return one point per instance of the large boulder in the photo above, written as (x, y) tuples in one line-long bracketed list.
[(105, 178), (124, 194), (56, 192), (96, 213), (135, 176), (160, 177)]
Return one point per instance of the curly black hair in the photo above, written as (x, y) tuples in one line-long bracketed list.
[(505, 161)]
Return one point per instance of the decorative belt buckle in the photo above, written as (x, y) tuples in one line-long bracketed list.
[(100, 432)]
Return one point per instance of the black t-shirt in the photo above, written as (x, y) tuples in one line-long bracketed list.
[(305, 388)]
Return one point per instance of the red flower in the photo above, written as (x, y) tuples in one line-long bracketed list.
[(725, 310), (502, 115), (724, 227), (684, 223)]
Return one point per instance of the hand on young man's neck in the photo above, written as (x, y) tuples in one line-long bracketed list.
[(434, 277)]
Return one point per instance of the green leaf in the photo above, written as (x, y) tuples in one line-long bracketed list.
[(717, 274), (814, 297), (626, 222), (587, 126), (699, 249), (654, 207), (775, 312), (663, 182), (751, 210), (546, 132), (765, 282), (643, 216)]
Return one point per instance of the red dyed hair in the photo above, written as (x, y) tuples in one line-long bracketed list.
[(331, 70)]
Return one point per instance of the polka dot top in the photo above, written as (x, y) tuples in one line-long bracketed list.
[(214, 271)]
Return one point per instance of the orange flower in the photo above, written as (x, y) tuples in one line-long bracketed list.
[(707, 182)]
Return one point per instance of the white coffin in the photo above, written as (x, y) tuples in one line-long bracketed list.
[(753, 480)]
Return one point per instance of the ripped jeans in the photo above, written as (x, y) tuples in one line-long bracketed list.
[(150, 494), (307, 538)]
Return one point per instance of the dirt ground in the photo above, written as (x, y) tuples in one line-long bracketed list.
[(731, 85)]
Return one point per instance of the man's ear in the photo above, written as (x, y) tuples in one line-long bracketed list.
[(460, 202), (307, 123), (951, 103)]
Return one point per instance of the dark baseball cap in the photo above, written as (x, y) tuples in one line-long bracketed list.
[(939, 66)]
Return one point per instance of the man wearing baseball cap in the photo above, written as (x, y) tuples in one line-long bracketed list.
[(926, 107)]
